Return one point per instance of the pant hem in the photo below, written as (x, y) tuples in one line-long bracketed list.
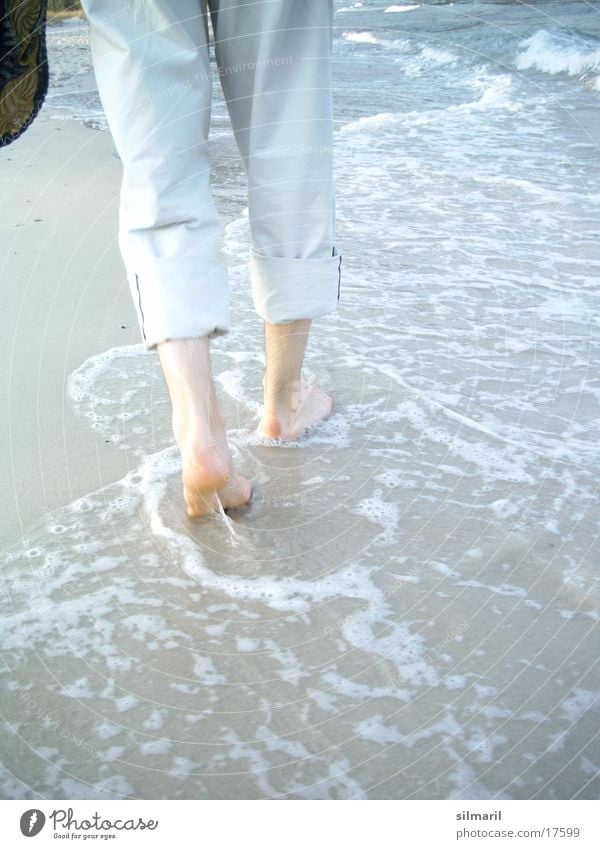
[(178, 299), (287, 289)]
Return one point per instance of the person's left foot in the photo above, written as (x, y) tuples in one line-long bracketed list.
[(199, 429), (207, 468)]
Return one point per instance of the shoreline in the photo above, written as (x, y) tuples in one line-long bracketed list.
[(69, 301), (62, 16)]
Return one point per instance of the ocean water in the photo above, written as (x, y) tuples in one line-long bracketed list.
[(409, 608)]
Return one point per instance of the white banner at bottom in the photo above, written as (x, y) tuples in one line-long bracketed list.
[(299, 823)]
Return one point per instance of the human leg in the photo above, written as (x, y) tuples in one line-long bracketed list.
[(274, 63), (199, 428), (153, 73), (291, 405), (152, 68)]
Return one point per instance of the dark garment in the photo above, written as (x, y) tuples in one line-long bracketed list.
[(23, 65)]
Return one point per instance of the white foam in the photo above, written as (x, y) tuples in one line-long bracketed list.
[(125, 703), (370, 123), (247, 645), (360, 37), (78, 690), (354, 7), (369, 37), (441, 57), (482, 745), (236, 237), (113, 392), (580, 702), (375, 729), (155, 720), (495, 91), (155, 747), (403, 8), (425, 61), (383, 513)]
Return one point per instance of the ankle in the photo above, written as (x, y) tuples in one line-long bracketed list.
[(197, 421), (280, 386)]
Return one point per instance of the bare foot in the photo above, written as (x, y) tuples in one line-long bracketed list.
[(207, 467), (199, 429), (291, 410)]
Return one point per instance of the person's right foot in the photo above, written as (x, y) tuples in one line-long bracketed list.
[(289, 411), (207, 469)]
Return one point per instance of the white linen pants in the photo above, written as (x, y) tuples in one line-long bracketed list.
[(151, 62)]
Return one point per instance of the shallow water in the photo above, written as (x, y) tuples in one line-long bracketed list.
[(409, 606)]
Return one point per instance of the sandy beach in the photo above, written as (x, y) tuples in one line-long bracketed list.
[(64, 299), (409, 607)]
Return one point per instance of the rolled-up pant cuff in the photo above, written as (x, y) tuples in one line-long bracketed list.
[(177, 299), (285, 290)]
